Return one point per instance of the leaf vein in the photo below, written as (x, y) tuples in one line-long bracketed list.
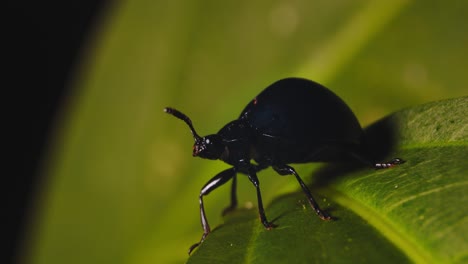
[(421, 194)]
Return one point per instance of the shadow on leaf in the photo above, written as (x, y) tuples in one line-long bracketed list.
[(380, 141)]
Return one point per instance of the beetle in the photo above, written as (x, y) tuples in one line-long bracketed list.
[(294, 120)]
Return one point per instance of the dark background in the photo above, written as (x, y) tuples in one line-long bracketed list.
[(46, 42)]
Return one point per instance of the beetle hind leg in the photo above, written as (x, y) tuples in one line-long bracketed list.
[(389, 164), (377, 165), (287, 170)]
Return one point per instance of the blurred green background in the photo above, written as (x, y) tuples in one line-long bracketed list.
[(121, 184)]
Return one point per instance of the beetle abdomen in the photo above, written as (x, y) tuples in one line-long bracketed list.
[(297, 116)]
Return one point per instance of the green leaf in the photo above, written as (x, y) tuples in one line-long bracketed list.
[(119, 184), (415, 212)]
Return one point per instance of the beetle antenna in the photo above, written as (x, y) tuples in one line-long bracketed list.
[(184, 118)]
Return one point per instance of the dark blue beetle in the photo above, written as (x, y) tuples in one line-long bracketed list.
[(293, 120)]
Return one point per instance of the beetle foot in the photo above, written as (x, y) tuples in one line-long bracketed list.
[(389, 164), (194, 246), (324, 216), (268, 225)]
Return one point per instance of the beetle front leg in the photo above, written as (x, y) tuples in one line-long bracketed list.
[(253, 178), (287, 170), (218, 180)]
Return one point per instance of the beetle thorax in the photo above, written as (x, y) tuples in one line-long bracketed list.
[(237, 139)]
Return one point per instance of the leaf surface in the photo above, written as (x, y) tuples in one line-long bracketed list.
[(416, 211)]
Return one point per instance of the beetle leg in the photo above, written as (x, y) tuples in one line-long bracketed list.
[(233, 203), (377, 165), (389, 164), (287, 170), (253, 178), (382, 165), (218, 180)]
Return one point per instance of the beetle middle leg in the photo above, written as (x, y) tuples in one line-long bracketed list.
[(287, 170), (253, 178), (218, 180), (233, 203)]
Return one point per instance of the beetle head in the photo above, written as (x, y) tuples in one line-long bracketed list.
[(209, 147)]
